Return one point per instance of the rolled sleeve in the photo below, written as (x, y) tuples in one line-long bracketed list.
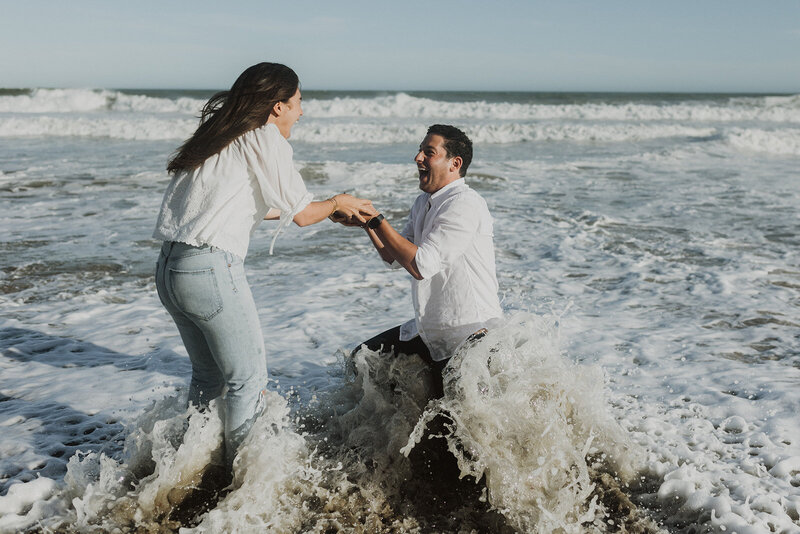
[(429, 260), (269, 157)]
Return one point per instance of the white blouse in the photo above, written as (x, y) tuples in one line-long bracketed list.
[(221, 202)]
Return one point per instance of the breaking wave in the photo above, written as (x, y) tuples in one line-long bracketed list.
[(85, 100), (401, 105), (315, 131), (778, 109), (781, 142)]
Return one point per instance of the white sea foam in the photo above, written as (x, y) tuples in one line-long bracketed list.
[(401, 118), (516, 133), (315, 131), (146, 128), (676, 247), (318, 132), (350, 466), (83, 100), (149, 104), (402, 105), (536, 426), (783, 142), (56, 101)]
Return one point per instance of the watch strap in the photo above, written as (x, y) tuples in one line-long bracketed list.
[(374, 222)]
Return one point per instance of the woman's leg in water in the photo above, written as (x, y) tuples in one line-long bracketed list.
[(206, 292)]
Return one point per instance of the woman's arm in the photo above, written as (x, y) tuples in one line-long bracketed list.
[(349, 206), (272, 215)]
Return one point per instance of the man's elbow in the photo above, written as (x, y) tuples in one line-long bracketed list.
[(414, 273), (414, 270)]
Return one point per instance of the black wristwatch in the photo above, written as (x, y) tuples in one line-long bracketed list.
[(374, 222)]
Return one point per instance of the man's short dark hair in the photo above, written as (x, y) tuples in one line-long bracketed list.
[(456, 143)]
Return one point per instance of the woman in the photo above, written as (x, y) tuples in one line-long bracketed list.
[(233, 172)]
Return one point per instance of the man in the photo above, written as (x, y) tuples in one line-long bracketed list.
[(447, 247)]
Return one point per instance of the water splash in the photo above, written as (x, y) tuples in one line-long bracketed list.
[(522, 441), (536, 428), (163, 463)]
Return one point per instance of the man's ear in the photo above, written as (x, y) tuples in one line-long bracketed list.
[(456, 163)]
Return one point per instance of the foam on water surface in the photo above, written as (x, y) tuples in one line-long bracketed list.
[(758, 124), (402, 105), (534, 449), (666, 227)]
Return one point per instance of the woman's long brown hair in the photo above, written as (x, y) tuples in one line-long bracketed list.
[(229, 114)]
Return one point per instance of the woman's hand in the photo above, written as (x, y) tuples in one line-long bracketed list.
[(356, 211), (352, 211)]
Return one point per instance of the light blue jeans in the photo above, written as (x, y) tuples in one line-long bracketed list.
[(205, 291)]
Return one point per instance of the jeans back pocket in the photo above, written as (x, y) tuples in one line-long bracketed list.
[(196, 293)]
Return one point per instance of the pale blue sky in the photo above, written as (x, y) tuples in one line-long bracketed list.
[(609, 45)]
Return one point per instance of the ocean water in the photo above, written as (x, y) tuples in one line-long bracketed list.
[(646, 379)]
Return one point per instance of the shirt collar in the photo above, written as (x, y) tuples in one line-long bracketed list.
[(445, 192)]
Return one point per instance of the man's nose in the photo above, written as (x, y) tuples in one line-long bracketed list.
[(418, 157)]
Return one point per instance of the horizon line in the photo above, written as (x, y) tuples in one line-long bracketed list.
[(406, 90)]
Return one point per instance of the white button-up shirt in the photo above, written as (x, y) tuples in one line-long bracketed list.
[(457, 296), (221, 202)]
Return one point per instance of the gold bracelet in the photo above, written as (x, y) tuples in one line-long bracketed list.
[(335, 205)]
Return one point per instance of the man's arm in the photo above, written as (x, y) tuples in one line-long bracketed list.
[(394, 247), (378, 244)]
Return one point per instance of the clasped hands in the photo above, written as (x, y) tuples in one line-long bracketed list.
[(352, 211)]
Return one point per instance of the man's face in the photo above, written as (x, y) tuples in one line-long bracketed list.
[(436, 170)]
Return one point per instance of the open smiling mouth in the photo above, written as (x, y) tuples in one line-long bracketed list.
[(423, 173)]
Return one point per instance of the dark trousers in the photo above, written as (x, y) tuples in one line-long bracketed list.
[(430, 459), (389, 343)]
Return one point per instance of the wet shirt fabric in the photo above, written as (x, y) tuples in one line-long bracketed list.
[(457, 296), (223, 201)]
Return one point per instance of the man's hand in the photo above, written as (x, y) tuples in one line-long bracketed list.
[(351, 211), (341, 218)]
